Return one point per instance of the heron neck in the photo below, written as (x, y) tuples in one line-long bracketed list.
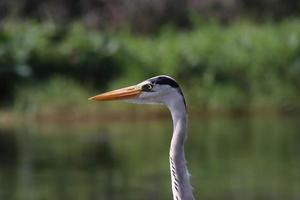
[(181, 187)]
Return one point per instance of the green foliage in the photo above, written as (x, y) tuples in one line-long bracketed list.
[(226, 67), (57, 96), (243, 65)]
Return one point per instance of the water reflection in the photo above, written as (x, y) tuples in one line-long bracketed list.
[(228, 159)]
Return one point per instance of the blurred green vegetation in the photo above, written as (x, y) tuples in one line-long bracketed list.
[(240, 67), (56, 96)]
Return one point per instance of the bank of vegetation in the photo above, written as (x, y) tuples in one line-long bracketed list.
[(242, 67)]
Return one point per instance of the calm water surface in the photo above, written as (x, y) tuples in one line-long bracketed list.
[(228, 159)]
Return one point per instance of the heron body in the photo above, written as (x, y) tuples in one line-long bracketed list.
[(163, 90)]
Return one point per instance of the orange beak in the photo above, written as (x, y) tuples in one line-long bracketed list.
[(120, 94)]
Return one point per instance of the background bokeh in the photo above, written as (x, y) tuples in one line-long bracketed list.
[(235, 55), (237, 61)]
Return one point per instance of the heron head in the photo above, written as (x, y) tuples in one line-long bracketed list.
[(156, 90)]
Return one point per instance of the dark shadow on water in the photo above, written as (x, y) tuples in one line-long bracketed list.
[(8, 163)]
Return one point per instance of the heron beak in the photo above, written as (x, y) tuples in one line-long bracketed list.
[(120, 94)]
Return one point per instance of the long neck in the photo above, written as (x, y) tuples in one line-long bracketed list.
[(181, 186)]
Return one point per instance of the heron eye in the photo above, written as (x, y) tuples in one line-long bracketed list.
[(148, 87)]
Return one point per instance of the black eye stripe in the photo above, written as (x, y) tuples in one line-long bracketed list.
[(165, 80), (162, 80)]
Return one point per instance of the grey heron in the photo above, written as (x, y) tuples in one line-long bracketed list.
[(163, 90)]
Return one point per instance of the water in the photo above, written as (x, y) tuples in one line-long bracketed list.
[(228, 159)]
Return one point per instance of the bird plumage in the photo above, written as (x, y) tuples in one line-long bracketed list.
[(163, 90)]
